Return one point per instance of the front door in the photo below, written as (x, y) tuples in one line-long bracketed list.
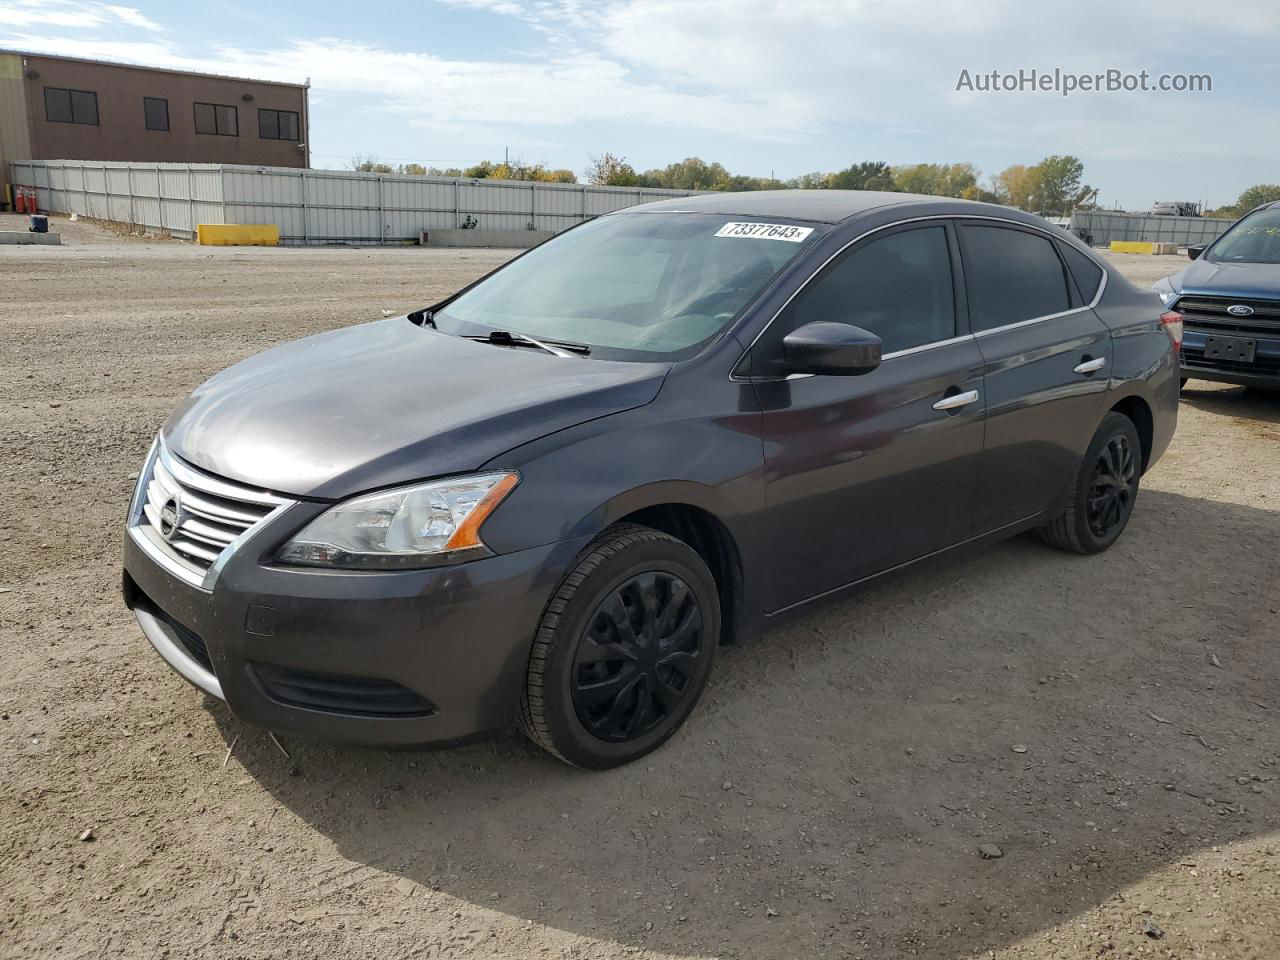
[(867, 472), (1047, 363)]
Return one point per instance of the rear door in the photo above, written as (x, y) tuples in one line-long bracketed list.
[(867, 472), (1047, 361)]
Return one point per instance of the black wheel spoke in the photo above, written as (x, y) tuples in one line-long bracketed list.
[(672, 609), (637, 661), (1111, 488), (616, 611), (668, 694), (681, 661), (593, 651), (623, 702), (646, 587), (593, 694), (687, 630)]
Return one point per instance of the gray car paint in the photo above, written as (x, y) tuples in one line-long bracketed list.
[(800, 511)]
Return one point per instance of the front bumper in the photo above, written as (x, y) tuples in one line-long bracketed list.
[(1264, 371), (423, 657)]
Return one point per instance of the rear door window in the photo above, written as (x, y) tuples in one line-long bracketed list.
[(1012, 276)]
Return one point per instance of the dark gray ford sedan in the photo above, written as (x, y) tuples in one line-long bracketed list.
[(542, 503)]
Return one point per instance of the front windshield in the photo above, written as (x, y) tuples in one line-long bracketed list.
[(632, 286), (1255, 239)]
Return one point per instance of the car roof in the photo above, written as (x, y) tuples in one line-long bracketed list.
[(821, 206)]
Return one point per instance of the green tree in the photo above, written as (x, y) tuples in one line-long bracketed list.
[(610, 170), (935, 179), (479, 171), (1256, 196), (807, 181), (1058, 186), (369, 164), (867, 175)]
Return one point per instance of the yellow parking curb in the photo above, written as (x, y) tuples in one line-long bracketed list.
[(1142, 246), (238, 234)]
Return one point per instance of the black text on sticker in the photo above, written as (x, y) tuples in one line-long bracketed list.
[(765, 231)]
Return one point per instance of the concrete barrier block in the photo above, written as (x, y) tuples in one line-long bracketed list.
[(518, 239), (26, 236), (238, 234)]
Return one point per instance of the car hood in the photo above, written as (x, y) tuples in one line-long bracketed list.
[(1248, 281), (389, 402)]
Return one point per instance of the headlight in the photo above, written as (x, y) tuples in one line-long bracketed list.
[(1166, 291), (419, 526)]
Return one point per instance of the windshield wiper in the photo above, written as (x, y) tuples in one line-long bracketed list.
[(513, 338)]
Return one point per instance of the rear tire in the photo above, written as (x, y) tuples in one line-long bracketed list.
[(623, 651), (1104, 492)]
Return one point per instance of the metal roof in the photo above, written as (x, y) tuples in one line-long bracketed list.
[(824, 206), (140, 66)]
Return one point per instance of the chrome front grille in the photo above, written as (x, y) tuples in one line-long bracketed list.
[(185, 518), (1210, 314)]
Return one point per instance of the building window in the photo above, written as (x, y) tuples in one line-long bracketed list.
[(70, 106), (278, 125), (156, 111), (217, 118)]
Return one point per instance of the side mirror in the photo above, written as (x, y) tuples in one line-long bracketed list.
[(1194, 250), (831, 349)]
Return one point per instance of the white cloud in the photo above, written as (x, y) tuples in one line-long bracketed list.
[(453, 94), (132, 17), (76, 14), (505, 7), (802, 72)]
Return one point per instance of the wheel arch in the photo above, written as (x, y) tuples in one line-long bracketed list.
[(697, 516), (1138, 410)]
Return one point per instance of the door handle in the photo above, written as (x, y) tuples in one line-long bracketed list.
[(1091, 366), (957, 400)]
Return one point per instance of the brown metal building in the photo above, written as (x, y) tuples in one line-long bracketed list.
[(62, 108)]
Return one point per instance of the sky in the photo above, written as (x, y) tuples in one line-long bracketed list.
[(766, 87)]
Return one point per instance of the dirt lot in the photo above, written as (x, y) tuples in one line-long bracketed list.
[(1111, 723)]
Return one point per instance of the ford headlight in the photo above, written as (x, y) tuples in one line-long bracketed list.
[(1166, 291), (419, 526)]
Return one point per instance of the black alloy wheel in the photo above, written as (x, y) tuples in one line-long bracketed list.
[(1104, 492), (638, 658), (623, 650), (1113, 486)]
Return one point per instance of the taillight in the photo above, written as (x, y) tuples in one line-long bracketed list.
[(1171, 320)]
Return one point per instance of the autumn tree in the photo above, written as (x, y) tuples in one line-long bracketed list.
[(610, 170), (369, 164)]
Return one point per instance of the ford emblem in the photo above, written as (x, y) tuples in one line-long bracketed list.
[(1240, 310)]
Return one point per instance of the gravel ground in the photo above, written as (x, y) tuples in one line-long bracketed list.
[(1110, 724)]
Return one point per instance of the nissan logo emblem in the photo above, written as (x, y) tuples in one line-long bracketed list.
[(170, 515), (1240, 310)]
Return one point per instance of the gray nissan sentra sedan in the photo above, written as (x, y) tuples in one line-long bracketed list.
[(542, 503)]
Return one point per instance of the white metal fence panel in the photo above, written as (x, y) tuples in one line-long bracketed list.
[(1100, 227), (171, 197), (315, 206)]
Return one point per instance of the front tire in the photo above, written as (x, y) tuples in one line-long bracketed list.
[(623, 651), (1105, 490)]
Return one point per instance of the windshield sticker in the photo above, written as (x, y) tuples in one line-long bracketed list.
[(765, 231)]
